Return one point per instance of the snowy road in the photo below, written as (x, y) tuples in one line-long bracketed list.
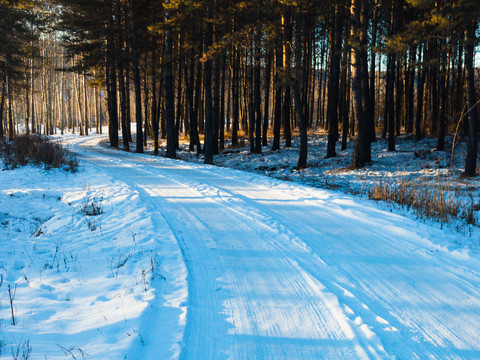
[(282, 271)]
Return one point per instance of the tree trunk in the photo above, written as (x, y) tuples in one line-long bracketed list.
[(189, 80), (277, 119), (128, 120), (169, 96), (147, 123), (2, 107), (27, 103), (472, 146), (399, 92), (85, 103), (123, 106), (256, 96), (442, 118), (97, 109), (390, 82), (136, 79), (251, 105), (371, 96), (111, 82), (409, 91), (198, 100), (390, 101), (459, 92), (333, 80), (11, 130), (302, 157), (180, 89), (155, 119), (235, 98), (344, 105), (207, 83), (420, 99), (221, 129), (216, 104), (362, 152), (433, 82), (32, 98), (268, 71), (287, 21)]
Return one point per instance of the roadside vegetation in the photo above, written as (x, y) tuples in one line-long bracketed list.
[(36, 150)]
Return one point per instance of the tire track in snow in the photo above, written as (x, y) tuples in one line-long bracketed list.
[(297, 286), (371, 345)]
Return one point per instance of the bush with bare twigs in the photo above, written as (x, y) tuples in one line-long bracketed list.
[(37, 150)]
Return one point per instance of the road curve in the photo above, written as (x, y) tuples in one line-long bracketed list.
[(282, 271)]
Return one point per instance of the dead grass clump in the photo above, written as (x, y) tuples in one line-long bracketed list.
[(37, 150), (437, 201)]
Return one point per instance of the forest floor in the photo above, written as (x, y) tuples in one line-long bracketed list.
[(142, 257)]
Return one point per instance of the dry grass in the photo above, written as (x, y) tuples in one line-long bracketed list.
[(36, 150), (437, 200)]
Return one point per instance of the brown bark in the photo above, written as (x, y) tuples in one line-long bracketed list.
[(472, 142), (362, 152), (136, 78)]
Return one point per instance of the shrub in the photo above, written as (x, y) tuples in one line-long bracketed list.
[(92, 207), (37, 150)]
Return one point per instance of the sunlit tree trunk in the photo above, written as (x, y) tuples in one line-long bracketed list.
[(362, 152)]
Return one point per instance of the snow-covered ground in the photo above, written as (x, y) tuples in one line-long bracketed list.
[(416, 164), (202, 262), (86, 286)]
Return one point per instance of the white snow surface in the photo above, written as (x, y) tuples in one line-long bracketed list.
[(200, 262)]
